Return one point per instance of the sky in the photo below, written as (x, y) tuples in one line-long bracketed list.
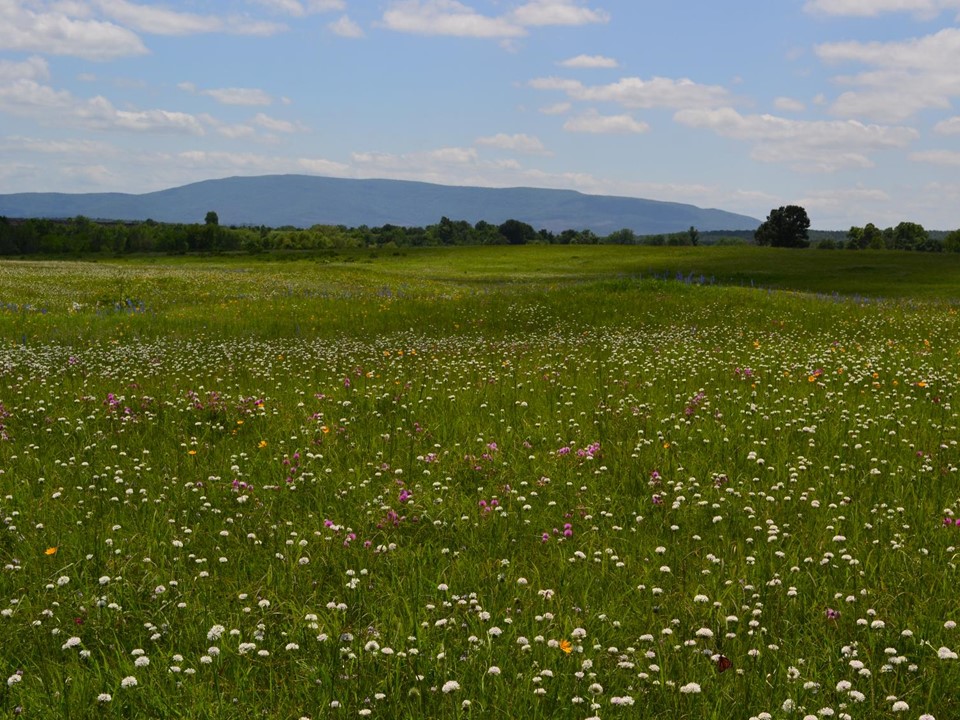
[(846, 107)]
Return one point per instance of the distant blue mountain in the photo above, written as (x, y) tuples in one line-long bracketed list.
[(303, 200)]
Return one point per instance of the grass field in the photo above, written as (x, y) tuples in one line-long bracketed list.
[(532, 482)]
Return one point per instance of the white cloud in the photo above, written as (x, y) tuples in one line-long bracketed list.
[(841, 207), (519, 143), (556, 12), (593, 122), (788, 104), (274, 124), (447, 17), (68, 146), (822, 146), (26, 97), (923, 9), (299, 9), (950, 126), (160, 21), (230, 96), (345, 27), (219, 163), (557, 109), (99, 113), (937, 157), (236, 96), (34, 68), (55, 32), (634, 92), (589, 61), (905, 76)]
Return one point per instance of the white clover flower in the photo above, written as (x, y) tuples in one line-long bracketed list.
[(450, 686), (70, 643), (103, 581), (690, 688), (104, 698), (844, 685), (494, 670), (578, 633), (494, 632), (596, 689), (704, 633), (62, 580), (946, 653), (14, 679), (900, 706), (128, 682), (142, 661)]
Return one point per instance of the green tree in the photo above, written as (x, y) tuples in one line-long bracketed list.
[(517, 232), (909, 236), (693, 235), (784, 227), (951, 243), (624, 236), (872, 237), (211, 219), (855, 239)]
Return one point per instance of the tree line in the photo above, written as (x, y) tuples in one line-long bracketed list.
[(784, 227), (789, 226), (81, 236)]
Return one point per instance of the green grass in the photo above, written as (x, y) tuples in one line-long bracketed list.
[(480, 458)]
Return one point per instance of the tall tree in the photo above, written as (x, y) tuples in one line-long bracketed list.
[(517, 232), (784, 227)]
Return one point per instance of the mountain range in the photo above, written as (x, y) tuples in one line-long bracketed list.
[(305, 200)]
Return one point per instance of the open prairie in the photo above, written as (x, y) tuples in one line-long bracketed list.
[(538, 482)]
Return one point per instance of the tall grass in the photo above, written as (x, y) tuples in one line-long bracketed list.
[(380, 489)]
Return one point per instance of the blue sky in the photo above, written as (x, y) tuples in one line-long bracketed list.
[(847, 107)]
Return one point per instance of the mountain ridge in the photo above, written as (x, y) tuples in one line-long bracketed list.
[(305, 200)]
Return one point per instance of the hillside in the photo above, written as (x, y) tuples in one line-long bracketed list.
[(302, 201)]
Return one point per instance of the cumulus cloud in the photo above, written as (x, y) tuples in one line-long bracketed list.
[(556, 12), (99, 113), (34, 68), (219, 163), (161, 21), (28, 98), (561, 108), (589, 61), (454, 18), (447, 17), (275, 124), (788, 104), (950, 126), (937, 157), (904, 77), (923, 9), (519, 143), (593, 122), (296, 8), (231, 96), (67, 146), (55, 32), (345, 27), (634, 92), (822, 146)]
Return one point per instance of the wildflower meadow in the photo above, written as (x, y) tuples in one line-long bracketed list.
[(396, 487)]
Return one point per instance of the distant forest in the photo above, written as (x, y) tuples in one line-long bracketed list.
[(83, 236)]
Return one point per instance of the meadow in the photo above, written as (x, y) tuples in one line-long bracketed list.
[(539, 482)]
